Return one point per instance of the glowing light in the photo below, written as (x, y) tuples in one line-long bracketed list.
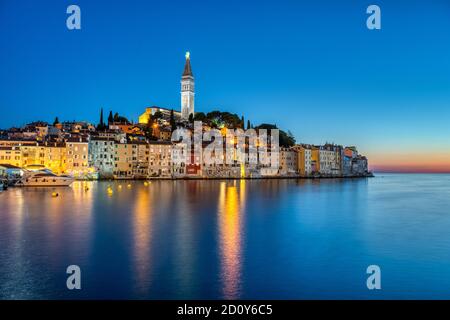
[(230, 240)]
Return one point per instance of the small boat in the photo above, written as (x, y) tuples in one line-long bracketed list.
[(44, 178)]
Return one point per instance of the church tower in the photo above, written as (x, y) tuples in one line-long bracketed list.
[(187, 90)]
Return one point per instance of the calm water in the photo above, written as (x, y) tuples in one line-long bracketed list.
[(229, 239)]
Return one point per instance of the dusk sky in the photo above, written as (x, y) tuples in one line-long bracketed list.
[(310, 67)]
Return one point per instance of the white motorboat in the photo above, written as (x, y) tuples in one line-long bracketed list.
[(44, 178)]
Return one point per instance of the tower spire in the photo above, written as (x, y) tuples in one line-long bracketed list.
[(187, 67), (187, 89)]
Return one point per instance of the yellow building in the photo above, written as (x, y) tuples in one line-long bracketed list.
[(140, 164), (77, 158), (304, 160), (144, 117), (11, 155), (124, 154), (55, 157), (33, 155), (315, 160)]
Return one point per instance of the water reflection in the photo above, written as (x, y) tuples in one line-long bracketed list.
[(231, 206), (219, 239), (142, 236)]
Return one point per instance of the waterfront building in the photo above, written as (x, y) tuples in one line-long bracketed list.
[(228, 168), (330, 160), (349, 153), (304, 162), (33, 155), (288, 161), (359, 166), (179, 159), (77, 155), (101, 155), (160, 159), (187, 90), (353, 164), (11, 155), (125, 155), (315, 160), (55, 157), (141, 162), (326, 159)]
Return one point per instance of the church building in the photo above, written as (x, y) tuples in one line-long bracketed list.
[(187, 90)]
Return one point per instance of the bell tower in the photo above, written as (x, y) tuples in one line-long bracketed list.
[(187, 90)]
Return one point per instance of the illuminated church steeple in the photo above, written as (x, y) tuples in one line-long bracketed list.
[(187, 90)]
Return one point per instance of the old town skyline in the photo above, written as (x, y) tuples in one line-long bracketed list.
[(349, 81)]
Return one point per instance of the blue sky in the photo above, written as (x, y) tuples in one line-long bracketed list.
[(311, 67)]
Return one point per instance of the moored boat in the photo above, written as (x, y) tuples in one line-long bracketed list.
[(44, 178)]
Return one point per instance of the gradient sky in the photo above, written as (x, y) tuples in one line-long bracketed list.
[(311, 67)]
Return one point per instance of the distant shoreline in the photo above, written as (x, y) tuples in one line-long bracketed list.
[(370, 175)]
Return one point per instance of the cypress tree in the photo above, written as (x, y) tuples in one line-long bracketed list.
[(110, 117), (172, 120)]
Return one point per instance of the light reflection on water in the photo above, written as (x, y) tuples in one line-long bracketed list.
[(230, 210), (228, 239)]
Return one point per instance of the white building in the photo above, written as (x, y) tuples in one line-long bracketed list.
[(101, 156), (330, 160), (187, 90)]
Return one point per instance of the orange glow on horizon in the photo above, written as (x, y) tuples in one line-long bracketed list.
[(410, 162)]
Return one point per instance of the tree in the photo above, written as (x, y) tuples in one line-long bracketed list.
[(220, 119), (248, 124), (173, 125), (191, 117), (285, 139), (101, 124), (149, 128), (158, 115), (200, 116), (242, 123), (56, 121), (110, 117), (120, 119)]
